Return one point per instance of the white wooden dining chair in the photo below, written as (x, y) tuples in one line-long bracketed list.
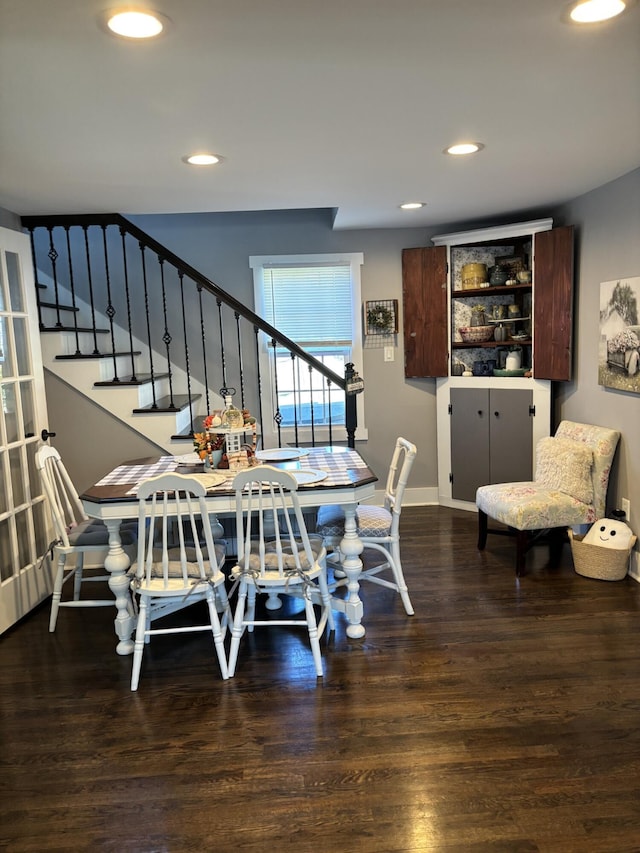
[(76, 535), (378, 527), (276, 555), (178, 564)]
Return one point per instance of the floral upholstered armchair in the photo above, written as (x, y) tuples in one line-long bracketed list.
[(570, 488)]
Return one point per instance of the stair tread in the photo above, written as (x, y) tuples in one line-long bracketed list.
[(163, 404), (73, 329), (187, 433), (58, 306), (139, 379), (82, 355)]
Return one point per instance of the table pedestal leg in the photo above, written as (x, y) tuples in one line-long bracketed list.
[(116, 563), (351, 547)]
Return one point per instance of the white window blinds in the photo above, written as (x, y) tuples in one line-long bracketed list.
[(311, 304)]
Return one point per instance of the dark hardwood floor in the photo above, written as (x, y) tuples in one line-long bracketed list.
[(504, 716)]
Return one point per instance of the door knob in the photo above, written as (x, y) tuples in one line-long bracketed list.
[(45, 434)]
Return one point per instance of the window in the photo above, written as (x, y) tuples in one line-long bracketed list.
[(314, 300)]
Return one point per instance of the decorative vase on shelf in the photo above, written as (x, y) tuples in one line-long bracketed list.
[(499, 275), (477, 316), (500, 333)]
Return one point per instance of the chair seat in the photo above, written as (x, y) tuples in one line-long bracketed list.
[(174, 570), (93, 533), (529, 506), (271, 561), (371, 521)]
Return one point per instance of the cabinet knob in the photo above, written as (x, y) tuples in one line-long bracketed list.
[(497, 414), (413, 334), (480, 412)]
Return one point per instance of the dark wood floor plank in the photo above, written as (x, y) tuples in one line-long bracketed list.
[(502, 717)]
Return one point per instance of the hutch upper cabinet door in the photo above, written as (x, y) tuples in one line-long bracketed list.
[(553, 303), (424, 293)]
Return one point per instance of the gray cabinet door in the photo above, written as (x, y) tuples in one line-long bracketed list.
[(510, 435), (470, 421), (491, 438)]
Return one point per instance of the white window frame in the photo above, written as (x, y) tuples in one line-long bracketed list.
[(269, 429)]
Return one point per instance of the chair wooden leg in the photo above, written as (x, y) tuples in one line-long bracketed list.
[(522, 541), (313, 635), (57, 593), (398, 576), (218, 639), (556, 541), (482, 530), (238, 628), (138, 649)]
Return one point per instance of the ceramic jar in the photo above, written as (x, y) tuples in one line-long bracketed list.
[(514, 360), (500, 333), (499, 276)]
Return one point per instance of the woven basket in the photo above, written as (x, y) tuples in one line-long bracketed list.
[(476, 334), (592, 561)]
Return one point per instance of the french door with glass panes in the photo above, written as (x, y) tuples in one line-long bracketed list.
[(24, 526)]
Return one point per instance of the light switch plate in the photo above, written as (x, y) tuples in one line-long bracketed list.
[(388, 354)]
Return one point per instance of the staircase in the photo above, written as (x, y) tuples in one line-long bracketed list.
[(148, 338)]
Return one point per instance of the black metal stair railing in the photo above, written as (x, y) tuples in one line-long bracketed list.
[(194, 333)]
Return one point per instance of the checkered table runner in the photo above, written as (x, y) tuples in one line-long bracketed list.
[(336, 465), (138, 473)]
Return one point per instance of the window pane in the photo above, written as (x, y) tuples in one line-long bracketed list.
[(28, 415), (6, 558), (40, 524), (299, 390), (4, 497), (9, 412), (3, 300), (26, 555), (17, 476), (6, 364), (13, 273), (21, 333)]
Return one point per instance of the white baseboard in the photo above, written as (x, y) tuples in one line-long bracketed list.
[(425, 496)]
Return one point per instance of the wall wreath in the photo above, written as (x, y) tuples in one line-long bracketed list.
[(381, 317)]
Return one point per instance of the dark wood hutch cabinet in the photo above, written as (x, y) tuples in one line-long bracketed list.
[(436, 304)]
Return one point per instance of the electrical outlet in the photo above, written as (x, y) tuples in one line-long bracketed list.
[(388, 354), (625, 506)]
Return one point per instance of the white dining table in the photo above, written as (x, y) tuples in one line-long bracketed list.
[(327, 475)]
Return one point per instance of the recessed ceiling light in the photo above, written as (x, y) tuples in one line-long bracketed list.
[(464, 148), (412, 205), (591, 11), (202, 159), (135, 24)]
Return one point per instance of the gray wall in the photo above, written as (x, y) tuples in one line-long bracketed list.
[(219, 245), (607, 224), (9, 220), (90, 440)]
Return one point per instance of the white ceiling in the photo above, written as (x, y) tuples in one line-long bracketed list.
[(343, 104)]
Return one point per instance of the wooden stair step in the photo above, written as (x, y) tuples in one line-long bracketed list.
[(187, 432), (57, 306), (139, 379), (74, 329), (88, 355), (163, 404)]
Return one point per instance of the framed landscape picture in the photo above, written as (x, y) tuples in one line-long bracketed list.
[(619, 350)]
